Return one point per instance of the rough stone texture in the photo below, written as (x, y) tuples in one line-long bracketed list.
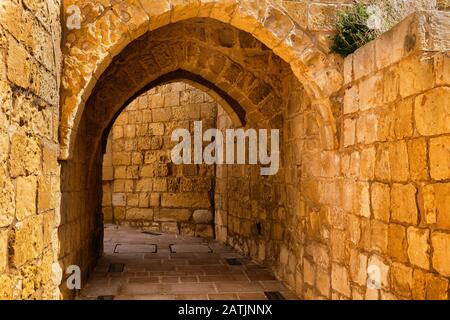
[(30, 64), (409, 186), (345, 149), (139, 179)]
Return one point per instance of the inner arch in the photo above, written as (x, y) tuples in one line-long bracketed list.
[(261, 92)]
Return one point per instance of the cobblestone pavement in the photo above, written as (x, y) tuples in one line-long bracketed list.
[(146, 266)]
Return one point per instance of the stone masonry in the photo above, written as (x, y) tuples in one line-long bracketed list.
[(141, 185), (360, 206), (30, 72)]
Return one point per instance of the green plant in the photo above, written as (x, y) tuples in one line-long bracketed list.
[(352, 31)]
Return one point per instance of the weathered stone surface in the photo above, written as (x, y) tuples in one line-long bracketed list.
[(7, 201), (393, 128), (417, 152), (27, 240), (429, 286), (398, 161), (440, 243), (416, 75), (340, 279), (26, 190), (403, 203), (25, 156), (432, 112), (139, 214), (202, 216), (3, 250), (397, 247), (383, 268), (166, 214), (204, 231), (402, 279), (440, 158), (173, 200), (358, 267), (381, 201), (418, 247)]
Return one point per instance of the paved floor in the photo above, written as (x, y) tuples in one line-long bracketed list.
[(139, 265)]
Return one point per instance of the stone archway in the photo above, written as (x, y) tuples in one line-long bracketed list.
[(255, 87), (107, 29)]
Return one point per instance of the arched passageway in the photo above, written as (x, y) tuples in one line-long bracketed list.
[(257, 89)]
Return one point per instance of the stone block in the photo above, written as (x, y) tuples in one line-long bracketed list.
[(349, 132), (202, 216), (27, 240), (119, 199), (371, 92), (442, 68), (381, 201), (26, 190), (340, 279), (440, 243), (417, 153), (429, 286), (3, 251), (358, 267), (416, 76), (50, 159), (398, 161), (339, 249), (121, 159), (166, 214), (367, 128), (204, 231), (403, 127), (48, 189), (351, 100), (402, 279), (397, 243), (19, 64), (170, 227), (380, 265), (379, 236), (403, 204), (139, 214), (432, 111), (440, 158), (25, 156), (419, 247), (161, 114), (308, 272), (189, 200), (323, 283), (119, 214), (144, 185), (367, 163)]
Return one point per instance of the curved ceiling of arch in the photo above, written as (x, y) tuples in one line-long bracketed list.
[(231, 62)]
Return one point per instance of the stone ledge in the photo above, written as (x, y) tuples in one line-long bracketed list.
[(420, 31)]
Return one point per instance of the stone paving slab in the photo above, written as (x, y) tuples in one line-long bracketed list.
[(197, 270)]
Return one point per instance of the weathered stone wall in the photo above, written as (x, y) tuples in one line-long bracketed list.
[(141, 185), (364, 181), (374, 209), (30, 66), (264, 216), (383, 196)]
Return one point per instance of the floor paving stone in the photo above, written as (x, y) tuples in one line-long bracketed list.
[(197, 270)]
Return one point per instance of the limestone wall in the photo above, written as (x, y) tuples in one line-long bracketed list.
[(141, 185), (383, 196), (370, 219), (363, 190), (30, 65)]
